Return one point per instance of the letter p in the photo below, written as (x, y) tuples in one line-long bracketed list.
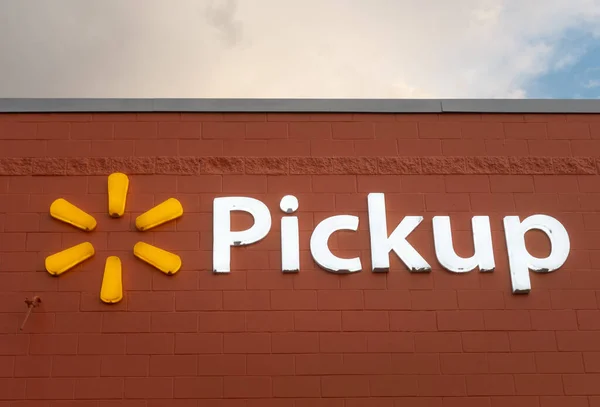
[(224, 238), (519, 259)]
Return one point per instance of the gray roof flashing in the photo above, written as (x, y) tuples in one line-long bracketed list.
[(27, 105)]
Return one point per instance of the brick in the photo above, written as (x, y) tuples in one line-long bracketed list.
[(148, 388), (419, 147), (270, 365), (487, 165), (268, 166), (244, 184), (301, 130), (246, 343), (442, 385), (387, 300), (490, 385), (103, 387), (246, 300), (589, 148), (559, 362), (512, 183), (310, 321), (124, 365), (438, 342), (485, 341), (573, 299), (266, 130), (198, 387), (467, 183), (295, 342), (221, 365), (53, 131), (391, 386), (126, 322), (463, 363), (269, 321), (33, 366), (344, 386), (76, 366), (220, 165), (319, 364), (365, 321), (53, 344), (507, 147), (506, 320), (463, 147), (557, 401), (442, 130), (92, 131), (538, 384), (529, 131), (11, 389), (176, 165), (150, 344), (246, 386), (581, 384), (173, 365), (430, 300), (413, 321), (340, 300), (50, 388), (197, 343), (296, 386), (511, 362), (396, 130), (460, 321), (568, 130), (346, 342), (546, 320), (443, 165), (174, 322), (294, 300), (548, 148), (217, 321), (540, 341), (451, 202), (332, 148), (356, 130), (574, 165)]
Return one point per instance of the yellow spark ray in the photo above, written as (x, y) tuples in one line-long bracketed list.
[(118, 184), (167, 262), (65, 211), (112, 283), (168, 210), (65, 260)]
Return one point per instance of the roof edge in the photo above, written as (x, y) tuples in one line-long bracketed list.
[(42, 105)]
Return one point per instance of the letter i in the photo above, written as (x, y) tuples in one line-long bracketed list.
[(290, 236)]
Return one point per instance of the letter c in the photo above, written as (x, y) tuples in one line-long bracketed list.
[(320, 249)]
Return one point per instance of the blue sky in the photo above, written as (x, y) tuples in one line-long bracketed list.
[(578, 80)]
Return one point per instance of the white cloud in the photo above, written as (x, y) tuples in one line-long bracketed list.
[(285, 48)]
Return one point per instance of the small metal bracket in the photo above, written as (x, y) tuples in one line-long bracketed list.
[(31, 304)]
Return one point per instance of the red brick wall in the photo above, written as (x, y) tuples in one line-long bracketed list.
[(257, 337)]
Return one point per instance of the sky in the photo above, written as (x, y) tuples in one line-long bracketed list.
[(300, 48)]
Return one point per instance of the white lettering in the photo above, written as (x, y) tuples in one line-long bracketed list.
[(319, 247), (482, 239), (519, 259), (290, 236), (381, 244), (224, 238)]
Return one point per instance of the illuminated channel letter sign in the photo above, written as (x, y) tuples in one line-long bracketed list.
[(382, 242)]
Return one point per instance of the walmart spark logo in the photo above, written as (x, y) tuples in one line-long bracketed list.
[(112, 285)]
